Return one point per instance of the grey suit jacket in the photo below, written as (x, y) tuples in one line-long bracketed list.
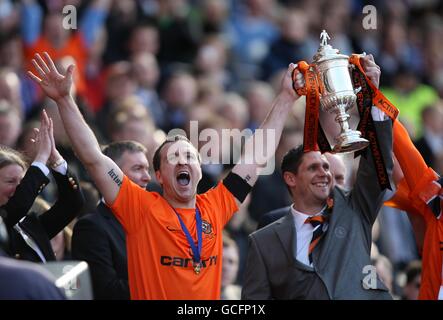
[(341, 259)]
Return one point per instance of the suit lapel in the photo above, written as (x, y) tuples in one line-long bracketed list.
[(287, 234), (285, 231), (31, 226)]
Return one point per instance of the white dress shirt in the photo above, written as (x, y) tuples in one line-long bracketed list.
[(304, 234), (62, 168)]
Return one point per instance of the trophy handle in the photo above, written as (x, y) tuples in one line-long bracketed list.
[(303, 67)]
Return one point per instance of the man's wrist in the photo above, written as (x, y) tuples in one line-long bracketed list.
[(41, 159), (64, 100), (57, 163)]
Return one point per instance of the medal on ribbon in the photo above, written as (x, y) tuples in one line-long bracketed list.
[(196, 249)]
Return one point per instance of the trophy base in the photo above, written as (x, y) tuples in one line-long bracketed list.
[(350, 141)]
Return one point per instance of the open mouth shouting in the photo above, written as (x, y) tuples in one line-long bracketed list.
[(183, 178)]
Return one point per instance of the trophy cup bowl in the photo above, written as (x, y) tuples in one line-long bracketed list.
[(337, 94)]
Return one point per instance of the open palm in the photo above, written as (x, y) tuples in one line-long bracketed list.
[(55, 85)]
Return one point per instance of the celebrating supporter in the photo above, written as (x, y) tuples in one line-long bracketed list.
[(30, 234)]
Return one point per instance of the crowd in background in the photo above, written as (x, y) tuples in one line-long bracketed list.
[(145, 67)]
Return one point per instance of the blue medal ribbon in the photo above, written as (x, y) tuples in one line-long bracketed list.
[(196, 250)]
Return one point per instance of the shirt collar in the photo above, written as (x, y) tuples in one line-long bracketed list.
[(301, 217)]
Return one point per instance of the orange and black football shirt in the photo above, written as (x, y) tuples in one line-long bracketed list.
[(159, 256)]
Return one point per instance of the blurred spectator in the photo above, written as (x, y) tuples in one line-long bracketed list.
[(209, 95), (10, 124), (11, 58), (396, 52), (119, 84), (9, 16), (125, 18), (293, 44), (211, 62), (214, 14), (410, 96), (234, 108), (250, 31), (146, 72), (179, 31), (430, 144), (130, 120), (229, 290), (180, 95), (48, 33), (336, 20), (144, 38), (259, 96), (95, 72), (396, 240), (10, 89)]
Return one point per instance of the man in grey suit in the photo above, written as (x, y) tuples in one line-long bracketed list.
[(281, 263), (338, 171)]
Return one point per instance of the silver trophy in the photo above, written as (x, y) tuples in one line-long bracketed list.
[(337, 95)]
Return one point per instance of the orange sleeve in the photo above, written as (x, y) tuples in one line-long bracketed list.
[(418, 183), (400, 200), (412, 163), (132, 204), (222, 199)]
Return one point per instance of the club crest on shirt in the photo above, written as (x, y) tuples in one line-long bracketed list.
[(206, 227)]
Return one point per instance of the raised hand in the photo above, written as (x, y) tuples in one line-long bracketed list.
[(298, 78), (43, 141), (372, 69), (287, 82), (55, 157), (55, 85)]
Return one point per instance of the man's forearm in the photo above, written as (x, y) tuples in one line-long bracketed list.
[(411, 162), (367, 194), (80, 134), (271, 128)]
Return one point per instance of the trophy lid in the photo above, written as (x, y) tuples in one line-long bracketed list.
[(326, 51)]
